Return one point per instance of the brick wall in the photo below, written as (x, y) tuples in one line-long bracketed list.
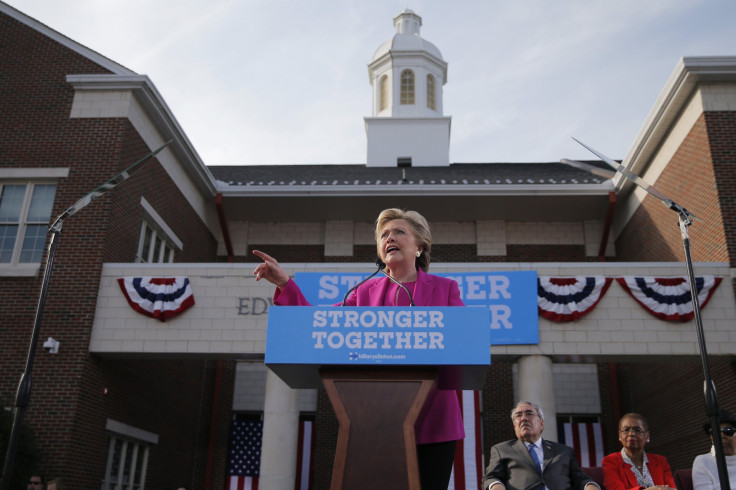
[(652, 233), (68, 410), (721, 127), (670, 396), (498, 400)]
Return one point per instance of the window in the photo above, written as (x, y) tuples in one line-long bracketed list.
[(383, 93), (407, 87), (25, 211), (126, 464), (157, 242), (152, 247), (430, 93), (127, 456)]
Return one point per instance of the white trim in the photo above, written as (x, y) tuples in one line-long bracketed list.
[(130, 431), (34, 173), (20, 270), (417, 189), (161, 224), (356, 266)]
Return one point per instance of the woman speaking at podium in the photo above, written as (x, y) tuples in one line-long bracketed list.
[(403, 241)]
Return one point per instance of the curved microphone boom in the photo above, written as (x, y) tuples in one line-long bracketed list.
[(380, 265)]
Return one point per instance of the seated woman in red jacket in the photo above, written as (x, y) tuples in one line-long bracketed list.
[(633, 468)]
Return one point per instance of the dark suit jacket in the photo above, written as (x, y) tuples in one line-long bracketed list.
[(512, 465), (617, 475)]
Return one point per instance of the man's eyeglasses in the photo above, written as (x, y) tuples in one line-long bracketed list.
[(729, 431), (635, 430), (528, 413), (31, 482)]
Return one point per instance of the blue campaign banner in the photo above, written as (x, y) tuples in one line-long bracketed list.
[(435, 336), (510, 297)]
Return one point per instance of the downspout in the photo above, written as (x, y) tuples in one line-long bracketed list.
[(217, 389), (607, 226), (224, 228), (214, 416), (615, 392)]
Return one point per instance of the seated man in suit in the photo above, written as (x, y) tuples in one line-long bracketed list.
[(529, 462)]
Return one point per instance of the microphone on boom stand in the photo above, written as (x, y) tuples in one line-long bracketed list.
[(381, 265)]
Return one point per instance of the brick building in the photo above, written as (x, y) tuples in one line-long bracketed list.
[(164, 393)]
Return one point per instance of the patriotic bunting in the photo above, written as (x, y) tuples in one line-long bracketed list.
[(669, 298), (564, 299), (157, 297)]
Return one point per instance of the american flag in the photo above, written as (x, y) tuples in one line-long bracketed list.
[(586, 438), (467, 471), (304, 455), (244, 458)]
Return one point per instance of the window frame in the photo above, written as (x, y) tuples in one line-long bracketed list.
[(431, 92), (36, 175), (383, 93), (163, 241), (408, 91), (141, 440), (16, 268)]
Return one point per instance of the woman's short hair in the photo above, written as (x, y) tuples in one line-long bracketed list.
[(419, 226), (635, 416)]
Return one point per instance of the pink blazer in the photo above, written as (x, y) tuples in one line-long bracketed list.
[(617, 474), (440, 419)]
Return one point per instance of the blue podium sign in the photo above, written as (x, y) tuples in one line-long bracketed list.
[(509, 297), (302, 336)]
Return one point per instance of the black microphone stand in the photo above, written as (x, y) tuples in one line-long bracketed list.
[(406, 290), (380, 265), (23, 393), (711, 399)]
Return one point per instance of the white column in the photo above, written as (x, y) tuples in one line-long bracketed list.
[(280, 435), (536, 384)]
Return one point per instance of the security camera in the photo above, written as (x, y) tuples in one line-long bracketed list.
[(51, 346)]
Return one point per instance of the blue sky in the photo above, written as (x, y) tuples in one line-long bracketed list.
[(286, 81)]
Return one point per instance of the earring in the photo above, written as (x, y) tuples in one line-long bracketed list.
[(418, 254)]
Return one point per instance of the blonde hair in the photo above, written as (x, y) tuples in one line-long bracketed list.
[(420, 230)]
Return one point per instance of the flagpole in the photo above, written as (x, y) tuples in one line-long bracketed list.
[(23, 393)]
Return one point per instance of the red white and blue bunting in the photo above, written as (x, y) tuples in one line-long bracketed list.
[(669, 298), (564, 299), (158, 297)]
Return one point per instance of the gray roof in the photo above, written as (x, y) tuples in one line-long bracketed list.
[(552, 173)]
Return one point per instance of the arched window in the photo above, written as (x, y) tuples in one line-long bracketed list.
[(407, 87), (430, 93), (383, 93)]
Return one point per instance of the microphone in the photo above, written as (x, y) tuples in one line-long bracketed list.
[(380, 265)]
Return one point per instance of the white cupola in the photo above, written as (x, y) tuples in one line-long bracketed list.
[(407, 126)]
